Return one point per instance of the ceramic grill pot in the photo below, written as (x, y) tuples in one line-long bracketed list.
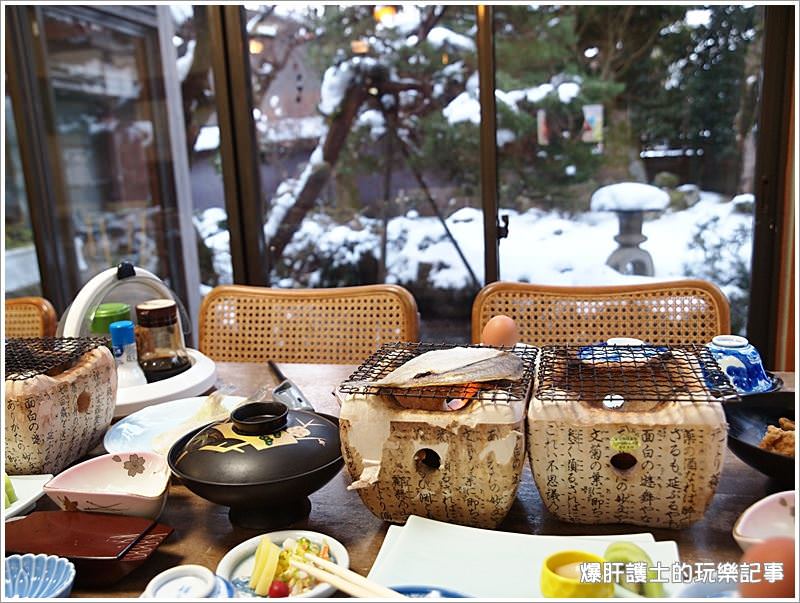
[(262, 462), (59, 401), (628, 434)]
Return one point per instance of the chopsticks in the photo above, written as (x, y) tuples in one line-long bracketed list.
[(345, 580)]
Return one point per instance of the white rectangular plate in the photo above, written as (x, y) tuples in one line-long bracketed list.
[(486, 563), (28, 489)]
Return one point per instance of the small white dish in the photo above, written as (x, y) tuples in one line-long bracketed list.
[(237, 564), (136, 432), (188, 582), (29, 489), (771, 516), (133, 483)]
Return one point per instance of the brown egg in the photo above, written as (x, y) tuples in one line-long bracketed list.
[(500, 331), (772, 550)]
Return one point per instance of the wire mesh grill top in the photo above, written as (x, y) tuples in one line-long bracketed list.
[(26, 358), (392, 355), (610, 375)]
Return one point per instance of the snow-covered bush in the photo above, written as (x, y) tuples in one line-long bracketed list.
[(721, 254)]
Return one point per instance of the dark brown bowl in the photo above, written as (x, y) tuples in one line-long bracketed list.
[(747, 424), (266, 488), (104, 548)]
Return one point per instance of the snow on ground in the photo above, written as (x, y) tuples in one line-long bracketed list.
[(543, 247)]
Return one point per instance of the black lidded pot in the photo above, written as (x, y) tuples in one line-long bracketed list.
[(263, 462)]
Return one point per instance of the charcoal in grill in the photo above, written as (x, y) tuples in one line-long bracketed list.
[(28, 357)]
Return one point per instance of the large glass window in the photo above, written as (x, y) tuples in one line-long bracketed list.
[(21, 264), (367, 125), (367, 130), (590, 96)]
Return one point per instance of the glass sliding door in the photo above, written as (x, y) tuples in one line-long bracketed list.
[(100, 80)]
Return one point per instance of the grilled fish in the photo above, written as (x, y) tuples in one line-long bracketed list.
[(454, 366)]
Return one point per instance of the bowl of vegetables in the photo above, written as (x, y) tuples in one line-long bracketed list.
[(260, 566)]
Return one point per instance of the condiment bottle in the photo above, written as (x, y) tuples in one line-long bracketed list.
[(159, 340), (123, 343), (105, 314)]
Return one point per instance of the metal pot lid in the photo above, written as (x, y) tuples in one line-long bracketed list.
[(261, 442)]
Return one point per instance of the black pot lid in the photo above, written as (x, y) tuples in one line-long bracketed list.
[(261, 442)]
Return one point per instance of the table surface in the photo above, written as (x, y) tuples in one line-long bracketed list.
[(203, 533)]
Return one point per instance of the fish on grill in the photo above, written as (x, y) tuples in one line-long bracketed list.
[(454, 366)]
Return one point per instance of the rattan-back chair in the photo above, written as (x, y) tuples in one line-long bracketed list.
[(29, 317), (670, 313), (340, 325)]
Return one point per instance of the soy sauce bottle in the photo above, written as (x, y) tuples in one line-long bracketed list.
[(159, 340)]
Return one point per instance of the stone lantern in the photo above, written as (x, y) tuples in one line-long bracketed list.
[(629, 200)]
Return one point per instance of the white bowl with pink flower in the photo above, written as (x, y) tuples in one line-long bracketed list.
[(130, 483)]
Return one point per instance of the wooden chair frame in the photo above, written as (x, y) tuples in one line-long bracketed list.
[(29, 317), (339, 325), (668, 312)]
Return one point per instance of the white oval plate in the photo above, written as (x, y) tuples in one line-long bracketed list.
[(238, 562), (29, 489), (200, 377), (135, 432)]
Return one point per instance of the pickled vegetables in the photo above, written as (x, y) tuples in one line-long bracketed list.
[(267, 555), (9, 496), (272, 564)]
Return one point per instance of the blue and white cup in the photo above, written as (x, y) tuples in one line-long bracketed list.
[(188, 582), (741, 363)]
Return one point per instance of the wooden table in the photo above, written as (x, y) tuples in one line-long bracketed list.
[(203, 533)]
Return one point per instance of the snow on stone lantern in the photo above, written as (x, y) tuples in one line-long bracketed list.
[(629, 200)]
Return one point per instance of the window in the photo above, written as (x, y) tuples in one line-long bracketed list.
[(367, 132), (590, 96)]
